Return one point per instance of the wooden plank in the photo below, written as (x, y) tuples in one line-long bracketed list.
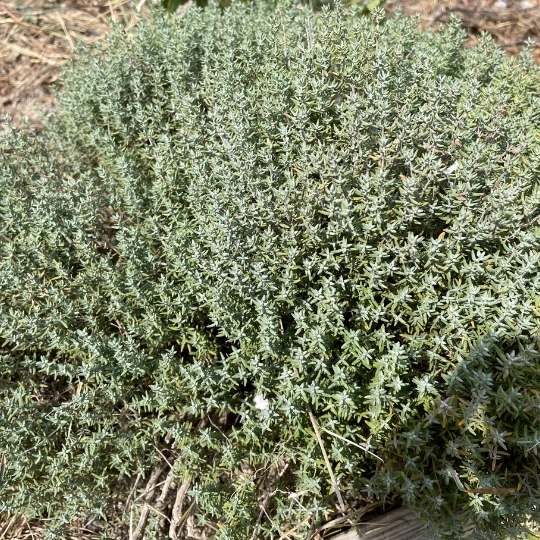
[(400, 524)]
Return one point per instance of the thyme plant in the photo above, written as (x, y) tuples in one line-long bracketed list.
[(250, 233)]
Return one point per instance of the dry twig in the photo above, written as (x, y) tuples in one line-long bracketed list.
[(150, 487), (316, 429), (177, 518)]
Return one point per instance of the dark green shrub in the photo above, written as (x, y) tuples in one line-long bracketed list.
[(238, 217)]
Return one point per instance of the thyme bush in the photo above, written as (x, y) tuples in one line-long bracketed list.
[(238, 217)]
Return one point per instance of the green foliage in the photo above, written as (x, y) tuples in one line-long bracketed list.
[(365, 6), (485, 423), (171, 5), (237, 216), (368, 6)]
